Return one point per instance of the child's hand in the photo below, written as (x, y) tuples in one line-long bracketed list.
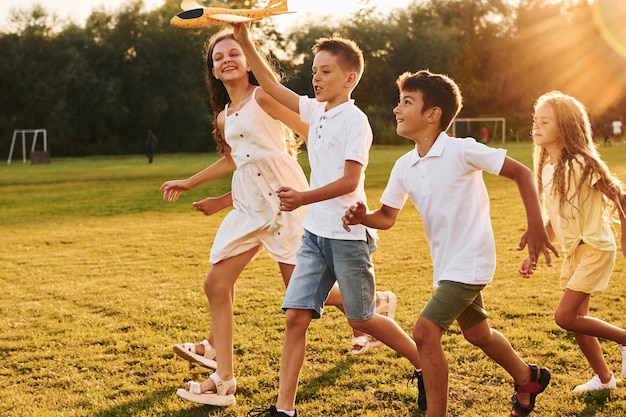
[(290, 199), (173, 189), (538, 243), (209, 205), (240, 31), (354, 215), (526, 268)]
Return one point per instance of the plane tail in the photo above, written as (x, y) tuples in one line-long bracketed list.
[(277, 6)]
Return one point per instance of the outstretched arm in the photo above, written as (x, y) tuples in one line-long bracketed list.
[(382, 219), (212, 205), (535, 236), (291, 199), (172, 189), (262, 72)]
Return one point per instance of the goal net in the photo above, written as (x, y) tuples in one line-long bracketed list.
[(477, 127), (23, 133)]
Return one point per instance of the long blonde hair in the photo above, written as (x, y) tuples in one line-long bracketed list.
[(219, 96), (579, 148)]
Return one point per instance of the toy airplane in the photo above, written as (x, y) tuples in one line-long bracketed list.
[(196, 15)]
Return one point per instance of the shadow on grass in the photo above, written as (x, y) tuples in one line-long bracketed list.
[(152, 400), (326, 379), (595, 402)]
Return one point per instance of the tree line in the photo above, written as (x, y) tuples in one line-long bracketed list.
[(98, 86)]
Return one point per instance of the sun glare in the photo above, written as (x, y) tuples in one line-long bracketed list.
[(610, 17)]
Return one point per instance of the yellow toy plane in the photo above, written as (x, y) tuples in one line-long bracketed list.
[(196, 15)]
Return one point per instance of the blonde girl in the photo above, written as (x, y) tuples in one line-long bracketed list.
[(582, 197)]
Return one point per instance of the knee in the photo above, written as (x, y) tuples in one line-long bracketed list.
[(360, 326), (297, 319), (421, 335), (213, 286), (476, 338), (562, 320)]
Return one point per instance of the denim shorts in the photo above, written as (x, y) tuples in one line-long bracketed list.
[(320, 262)]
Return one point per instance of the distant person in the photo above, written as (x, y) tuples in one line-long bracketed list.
[(617, 131), (608, 132), (484, 134), (582, 196), (443, 178), (151, 140)]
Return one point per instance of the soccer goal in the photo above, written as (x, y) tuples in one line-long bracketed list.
[(23, 133), (473, 127)]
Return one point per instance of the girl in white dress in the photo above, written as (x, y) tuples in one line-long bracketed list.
[(260, 152)]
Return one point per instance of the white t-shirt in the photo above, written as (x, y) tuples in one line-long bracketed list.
[(447, 188), (335, 136), (617, 127)]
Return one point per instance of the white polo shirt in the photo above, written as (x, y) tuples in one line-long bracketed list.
[(447, 188), (335, 136)]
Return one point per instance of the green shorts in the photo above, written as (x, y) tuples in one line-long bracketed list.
[(456, 301)]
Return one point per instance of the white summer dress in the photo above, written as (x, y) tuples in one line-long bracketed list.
[(259, 151)]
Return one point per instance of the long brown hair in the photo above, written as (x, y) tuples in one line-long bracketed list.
[(579, 148), (218, 96)]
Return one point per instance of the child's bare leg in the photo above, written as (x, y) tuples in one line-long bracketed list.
[(334, 299), (571, 315), (427, 336), (219, 289), (498, 348), (391, 334), (293, 354)]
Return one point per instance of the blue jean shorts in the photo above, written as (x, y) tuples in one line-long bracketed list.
[(320, 263)]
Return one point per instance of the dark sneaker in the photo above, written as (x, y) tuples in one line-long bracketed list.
[(268, 412), (421, 392)]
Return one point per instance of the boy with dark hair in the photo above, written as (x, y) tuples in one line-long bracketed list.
[(443, 178)]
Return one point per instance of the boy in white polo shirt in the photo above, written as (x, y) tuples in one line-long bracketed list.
[(443, 178), (338, 146)]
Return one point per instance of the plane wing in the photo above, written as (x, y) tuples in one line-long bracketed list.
[(189, 5), (195, 15)]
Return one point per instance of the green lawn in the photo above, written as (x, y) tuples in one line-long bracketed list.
[(100, 278)]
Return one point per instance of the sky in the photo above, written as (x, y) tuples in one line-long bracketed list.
[(79, 10)]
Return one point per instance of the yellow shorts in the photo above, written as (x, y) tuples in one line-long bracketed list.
[(587, 269)]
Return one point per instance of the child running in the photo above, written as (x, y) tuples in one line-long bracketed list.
[(581, 197), (443, 178), (261, 156), (338, 146)]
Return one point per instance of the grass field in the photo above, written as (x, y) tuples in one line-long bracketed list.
[(100, 277)]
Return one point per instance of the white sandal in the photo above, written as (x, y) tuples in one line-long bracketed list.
[(362, 341), (219, 397), (187, 351), (387, 307)]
